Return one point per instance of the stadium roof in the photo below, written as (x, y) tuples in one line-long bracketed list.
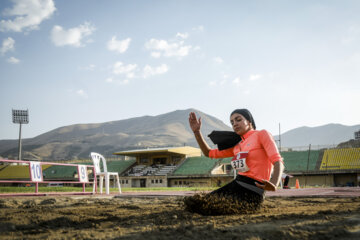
[(196, 166), (187, 151)]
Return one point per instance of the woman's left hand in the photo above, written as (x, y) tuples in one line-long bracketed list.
[(268, 186)]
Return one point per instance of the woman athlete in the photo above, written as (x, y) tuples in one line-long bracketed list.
[(256, 159)]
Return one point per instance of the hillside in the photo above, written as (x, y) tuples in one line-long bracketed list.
[(330, 134), (169, 129), (77, 141)]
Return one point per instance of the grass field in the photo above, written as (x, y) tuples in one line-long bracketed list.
[(89, 189)]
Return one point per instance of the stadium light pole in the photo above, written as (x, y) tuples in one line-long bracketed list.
[(279, 139), (20, 117)]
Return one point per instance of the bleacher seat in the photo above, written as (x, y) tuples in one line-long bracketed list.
[(341, 159), (136, 170), (165, 170), (20, 172)]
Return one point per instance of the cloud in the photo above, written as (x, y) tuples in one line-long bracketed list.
[(13, 60), (156, 54), (7, 45), (151, 71), (118, 46), (182, 35), (237, 82), (71, 37), (164, 48), (27, 15), (218, 60), (121, 69), (254, 77), (81, 93)]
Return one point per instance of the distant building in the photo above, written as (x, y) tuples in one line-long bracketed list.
[(357, 135), (153, 165), (186, 167)]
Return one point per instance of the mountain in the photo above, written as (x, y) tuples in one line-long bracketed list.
[(169, 129), (330, 134), (77, 141)]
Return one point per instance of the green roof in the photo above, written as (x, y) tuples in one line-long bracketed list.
[(120, 166), (225, 160), (196, 166)]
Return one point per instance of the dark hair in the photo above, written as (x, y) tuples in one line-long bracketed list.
[(246, 114)]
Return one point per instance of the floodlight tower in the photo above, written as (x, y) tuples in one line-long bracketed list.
[(21, 117), (279, 139)]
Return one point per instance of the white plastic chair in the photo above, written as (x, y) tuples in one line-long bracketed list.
[(96, 157)]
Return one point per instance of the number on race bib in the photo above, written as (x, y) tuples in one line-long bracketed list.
[(239, 162), (35, 172)]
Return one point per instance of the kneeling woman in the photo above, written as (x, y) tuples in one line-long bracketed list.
[(255, 158)]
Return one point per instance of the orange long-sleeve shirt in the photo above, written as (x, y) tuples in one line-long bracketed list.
[(263, 153)]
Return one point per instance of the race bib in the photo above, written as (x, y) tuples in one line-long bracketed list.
[(239, 162)]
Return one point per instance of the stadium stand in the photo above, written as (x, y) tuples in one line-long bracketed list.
[(153, 170), (137, 170), (149, 170), (299, 161), (165, 170), (20, 172), (70, 173), (296, 161), (2, 167), (341, 159), (196, 166), (60, 173)]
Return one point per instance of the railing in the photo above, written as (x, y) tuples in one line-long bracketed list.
[(36, 175)]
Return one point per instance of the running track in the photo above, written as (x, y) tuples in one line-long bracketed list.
[(302, 192)]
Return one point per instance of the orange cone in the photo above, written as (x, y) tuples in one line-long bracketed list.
[(297, 185)]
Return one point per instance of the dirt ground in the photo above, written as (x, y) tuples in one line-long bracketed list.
[(95, 217)]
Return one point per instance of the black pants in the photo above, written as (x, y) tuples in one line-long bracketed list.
[(243, 189), (239, 196)]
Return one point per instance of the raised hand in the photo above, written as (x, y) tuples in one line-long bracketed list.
[(195, 123)]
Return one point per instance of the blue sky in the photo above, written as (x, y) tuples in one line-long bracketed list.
[(86, 61)]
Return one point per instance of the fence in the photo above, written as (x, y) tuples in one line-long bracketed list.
[(305, 148), (36, 175)]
